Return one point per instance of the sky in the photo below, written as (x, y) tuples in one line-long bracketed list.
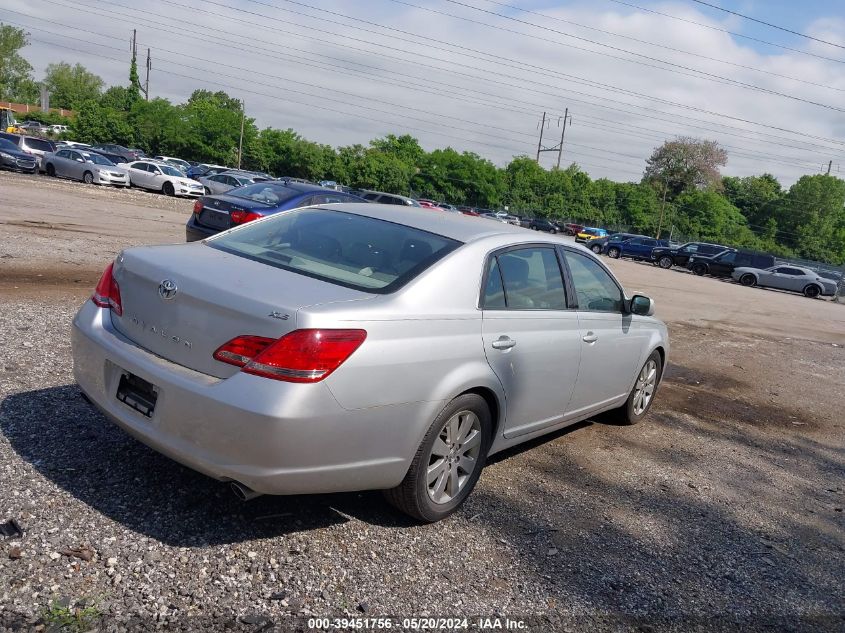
[(477, 75)]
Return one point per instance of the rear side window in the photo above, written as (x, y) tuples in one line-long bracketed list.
[(342, 248), (525, 279), (594, 287), (40, 145)]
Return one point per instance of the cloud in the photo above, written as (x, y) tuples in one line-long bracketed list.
[(472, 86)]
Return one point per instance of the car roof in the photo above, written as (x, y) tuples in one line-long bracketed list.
[(456, 226)]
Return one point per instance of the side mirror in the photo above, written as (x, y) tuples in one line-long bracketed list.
[(642, 305)]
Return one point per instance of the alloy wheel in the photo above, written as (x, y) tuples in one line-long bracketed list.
[(644, 389), (454, 456)]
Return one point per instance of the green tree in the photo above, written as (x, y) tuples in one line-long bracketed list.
[(16, 83), (684, 164), (157, 126), (754, 196), (117, 98), (71, 86), (95, 124), (811, 218)]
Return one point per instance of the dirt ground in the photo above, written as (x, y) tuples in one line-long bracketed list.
[(724, 507)]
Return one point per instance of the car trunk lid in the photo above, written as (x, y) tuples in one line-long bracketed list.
[(216, 211), (212, 297)]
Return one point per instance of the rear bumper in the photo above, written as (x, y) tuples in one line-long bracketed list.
[(275, 437), (195, 231)]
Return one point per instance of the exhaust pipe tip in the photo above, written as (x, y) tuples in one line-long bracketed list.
[(244, 493)]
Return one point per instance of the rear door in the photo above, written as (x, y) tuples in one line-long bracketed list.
[(60, 161), (138, 175), (611, 341), (531, 336)]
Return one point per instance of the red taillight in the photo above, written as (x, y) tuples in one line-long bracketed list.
[(198, 207), (300, 356), (107, 292), (242, 217)]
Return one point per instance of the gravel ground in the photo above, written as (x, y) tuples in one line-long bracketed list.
[(722, 511)]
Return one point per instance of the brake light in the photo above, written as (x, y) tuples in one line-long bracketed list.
[(107, 292), (198, 207), (300, 356), (240, 216)]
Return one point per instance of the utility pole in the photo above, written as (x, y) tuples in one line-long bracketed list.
[(540, 144), (556, 148), (241, 143), (147, 80), (829, 165), (662, 208), (562, 133)]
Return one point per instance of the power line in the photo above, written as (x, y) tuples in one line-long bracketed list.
[(703, 74), (732, 33), (663, 46), (769, 24)]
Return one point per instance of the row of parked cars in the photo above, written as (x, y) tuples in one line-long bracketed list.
[(747, 267)]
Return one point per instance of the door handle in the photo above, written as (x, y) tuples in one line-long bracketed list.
[(503, 342), (589, 337)]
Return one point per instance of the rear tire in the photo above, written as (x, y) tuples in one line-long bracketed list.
[(699, 269), (748, 280), (596, 249), (51, 170), (665, 262), (167, 189), (88, 178), (614, 253), (642, 395), (461, 434), (812, 291)]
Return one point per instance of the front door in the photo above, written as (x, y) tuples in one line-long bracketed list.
[(611, 340), (531, 338)]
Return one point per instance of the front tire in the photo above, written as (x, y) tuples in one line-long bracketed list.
[(448, 463), (812, 291), (167, 189), (665, 262), (596, 249), (88, 178), (51, 170), (699, 269), (614, 253), (748, 280), (642, 395)]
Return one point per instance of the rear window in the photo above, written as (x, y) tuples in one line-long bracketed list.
[(342, 248), (40, 145), (271, 194)]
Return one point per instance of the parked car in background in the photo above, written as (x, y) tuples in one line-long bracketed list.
[(429, 204), (32, 127), (127, 154), (205, 169), (542, 224), (117, 159), (213, 214), (37, 147), (723, 264), (89, 167), (58, 129), (178, 163), (12, 157), (162, 177), (227, 180), (590, 233), (330, 184), (666, 257), (308, 370), (786, 277), (73, 144), (572, 229), (492, 216), (638, 248), (597, 245), (381, 197), (448, 207)]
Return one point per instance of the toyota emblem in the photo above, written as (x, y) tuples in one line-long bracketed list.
[(167, 289)]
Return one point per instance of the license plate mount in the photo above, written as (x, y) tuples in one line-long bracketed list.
[(138, 394)]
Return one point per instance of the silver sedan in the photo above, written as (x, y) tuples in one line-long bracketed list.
[(89, 167), (360, 346), (786, 277)]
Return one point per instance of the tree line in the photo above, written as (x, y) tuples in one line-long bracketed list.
[(682, 192)]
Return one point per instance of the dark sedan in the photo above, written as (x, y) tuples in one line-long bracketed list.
[(11, 157), (213, 214), (542, 224), (597, 245), (128, 155)]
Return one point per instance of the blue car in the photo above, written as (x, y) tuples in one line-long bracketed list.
[(635, 248), (213, 214), (11, 157)]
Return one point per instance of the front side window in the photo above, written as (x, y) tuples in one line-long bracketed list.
[(349, 250), (595, 289), (527, 279), (727, 258)]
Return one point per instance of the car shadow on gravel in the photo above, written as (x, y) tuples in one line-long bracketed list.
[(79, 450)]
